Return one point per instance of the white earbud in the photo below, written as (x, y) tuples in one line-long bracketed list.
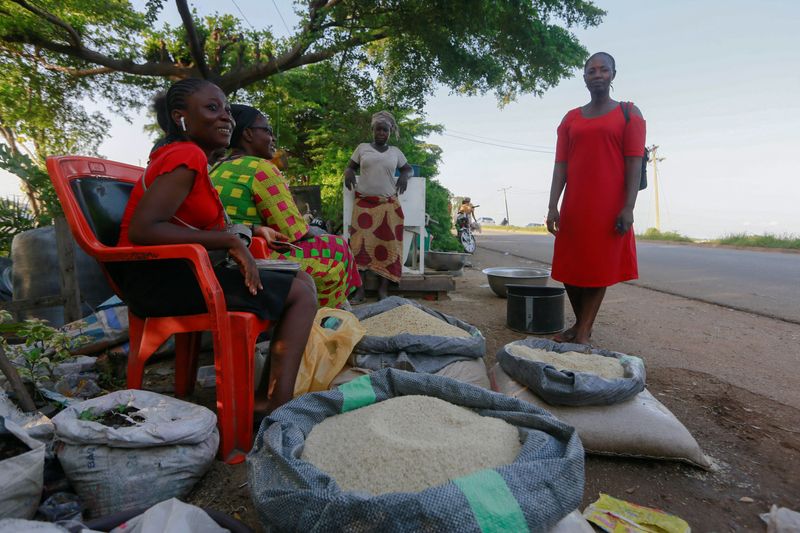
[(183, 123)]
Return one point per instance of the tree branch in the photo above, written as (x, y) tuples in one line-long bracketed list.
[(25, 400), (195, 46), (159, 69), (242, 78), (74, 36)]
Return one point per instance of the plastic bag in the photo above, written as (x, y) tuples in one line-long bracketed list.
[(619, 516), (170, 516), (130, 467), (21, 476), (330, 344)]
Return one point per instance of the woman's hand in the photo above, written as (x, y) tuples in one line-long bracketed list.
[(247, 265), (553, 218), (402, 184), (350, 180), (624, 221), (273, 237)]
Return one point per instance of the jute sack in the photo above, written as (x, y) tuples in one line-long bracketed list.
[(533, 493), (640, 427), (472, 371)]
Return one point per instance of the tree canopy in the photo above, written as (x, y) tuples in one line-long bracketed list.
[(344, 60), (474, 46)]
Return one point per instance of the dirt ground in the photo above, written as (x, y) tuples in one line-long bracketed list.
[(750, 429)]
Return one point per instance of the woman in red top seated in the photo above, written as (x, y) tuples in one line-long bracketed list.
[(176, 203)]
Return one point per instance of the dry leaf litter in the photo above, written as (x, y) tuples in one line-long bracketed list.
[(409, 319), (606, 367), (408, 444)]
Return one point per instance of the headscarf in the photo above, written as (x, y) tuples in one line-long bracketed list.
[(244, 115), (384, 117)]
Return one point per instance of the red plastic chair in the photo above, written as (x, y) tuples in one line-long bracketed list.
[(93, 193)]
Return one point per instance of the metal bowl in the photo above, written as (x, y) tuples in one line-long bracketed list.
[(442, 261), (499, 277)]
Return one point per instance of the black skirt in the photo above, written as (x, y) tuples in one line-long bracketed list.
[(168, 288)]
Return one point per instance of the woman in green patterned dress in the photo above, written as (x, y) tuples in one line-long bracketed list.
[(254, 191)]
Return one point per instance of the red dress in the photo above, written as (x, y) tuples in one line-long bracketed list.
[(588, 251)]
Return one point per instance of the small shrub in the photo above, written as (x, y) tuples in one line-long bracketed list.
[(653, 234), (766, 240)]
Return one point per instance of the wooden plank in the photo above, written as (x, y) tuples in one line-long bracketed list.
[(70, 291), (414, 283), (32, 303)]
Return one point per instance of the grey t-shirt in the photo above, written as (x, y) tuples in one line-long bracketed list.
[(376, 177)]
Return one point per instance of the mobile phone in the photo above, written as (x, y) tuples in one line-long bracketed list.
[(285, 244)]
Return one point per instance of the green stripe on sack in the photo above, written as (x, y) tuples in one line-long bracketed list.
[(357, 393), (495, 508)]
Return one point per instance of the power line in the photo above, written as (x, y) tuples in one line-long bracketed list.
[(288, 31), (243, 15), (542, 147), (498, 145)]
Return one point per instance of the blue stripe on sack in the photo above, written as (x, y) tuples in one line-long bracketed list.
[(112, 318), (357, 393), (495, 508)]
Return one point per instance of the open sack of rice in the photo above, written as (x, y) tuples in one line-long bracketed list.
[(400, 451), (561, 375), (403, 334), (639, 427)]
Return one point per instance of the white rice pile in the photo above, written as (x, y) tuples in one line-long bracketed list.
[(409, 319), (408, 444), (606, 367)]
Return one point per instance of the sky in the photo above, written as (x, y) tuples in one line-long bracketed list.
[(715, 80)]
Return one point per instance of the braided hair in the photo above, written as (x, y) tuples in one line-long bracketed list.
[(609, 56), (175, 98)]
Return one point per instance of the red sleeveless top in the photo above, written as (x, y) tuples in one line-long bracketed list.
[(201, 209)]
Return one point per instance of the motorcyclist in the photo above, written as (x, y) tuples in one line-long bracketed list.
[(466, 212)]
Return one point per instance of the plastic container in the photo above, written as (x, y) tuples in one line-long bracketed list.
[(536, 310)]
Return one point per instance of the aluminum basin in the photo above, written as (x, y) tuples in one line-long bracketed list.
[(499, 277), (442, 261)]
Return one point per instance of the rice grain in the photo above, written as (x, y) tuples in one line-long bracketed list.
[(408, 444), (409, 319), (606, 367)]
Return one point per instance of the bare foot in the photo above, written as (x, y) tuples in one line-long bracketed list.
[(358, 296), (383, 289), (565, 336)]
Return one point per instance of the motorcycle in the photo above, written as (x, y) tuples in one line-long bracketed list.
[(464, 228)]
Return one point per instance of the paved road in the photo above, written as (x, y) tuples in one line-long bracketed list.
[(766, 283)]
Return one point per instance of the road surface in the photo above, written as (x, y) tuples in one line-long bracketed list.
[(766, 283)]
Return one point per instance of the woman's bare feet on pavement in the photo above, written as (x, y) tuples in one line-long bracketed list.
[(571, 335), (565, 336)]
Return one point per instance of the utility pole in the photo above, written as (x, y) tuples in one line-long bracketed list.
[(504, 189), (655, 159)]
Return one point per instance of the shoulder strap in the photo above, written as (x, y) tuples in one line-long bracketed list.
[(626, 110)]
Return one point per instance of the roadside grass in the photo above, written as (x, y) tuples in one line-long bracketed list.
[(517, 229), (652, 234), (766, 240)]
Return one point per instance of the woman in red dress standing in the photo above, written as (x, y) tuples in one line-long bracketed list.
[(599, 160)]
